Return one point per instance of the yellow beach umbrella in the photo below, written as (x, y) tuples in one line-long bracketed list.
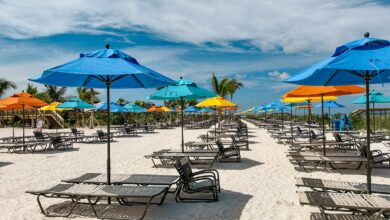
[(217, 102), (166, 109), (51, 107), (307, 99)]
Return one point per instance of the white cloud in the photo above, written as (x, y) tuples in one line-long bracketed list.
[(307, 25), (280, 76)]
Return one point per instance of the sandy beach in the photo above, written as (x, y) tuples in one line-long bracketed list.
[(262, 186)]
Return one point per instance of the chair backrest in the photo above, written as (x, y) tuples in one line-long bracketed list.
[(100, 133), (362, 147), (299, 130), (74, 131), (313, 135), (220, 146), (38, 135), (337, 137), (55, 139), (184, 169)]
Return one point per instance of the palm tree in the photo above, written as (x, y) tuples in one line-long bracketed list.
[(220, 87), (122, 101), (88, 95), (55, 93), (5, 85), (32, 89), (233, 86)]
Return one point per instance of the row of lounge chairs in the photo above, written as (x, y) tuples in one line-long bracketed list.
[(336, 200), (89, 191)]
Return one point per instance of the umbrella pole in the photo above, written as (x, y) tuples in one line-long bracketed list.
[(373, 116), (108, 84), (292, 129), (182, 123), (23, 124), (367, 80), (309, 120), (282, 120), (323, 123), (330, 121), (13, 125)]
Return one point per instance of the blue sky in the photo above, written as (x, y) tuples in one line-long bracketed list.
[(261, 43)]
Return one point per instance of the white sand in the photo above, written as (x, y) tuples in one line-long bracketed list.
[(260, 187)]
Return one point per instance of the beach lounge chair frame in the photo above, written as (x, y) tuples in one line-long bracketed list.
[(78, 192), (225, 153), (204, 181), (323, 185), (168, 157), (364, 204)]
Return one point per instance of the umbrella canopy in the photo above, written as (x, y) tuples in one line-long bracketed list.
[(362, 61), (131, 107), (191, 109), (307, 91), (51, 107), (166, 109), (374, 97), (75, 103), (108, 69), (330, 104), (155, 109), (183, 90), (114, 107), (20, 101), (217, 102), (306, 99), (22, 98)]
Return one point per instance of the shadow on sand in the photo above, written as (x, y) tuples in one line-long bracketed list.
[(245, 163), (3, 164), (230, 206)]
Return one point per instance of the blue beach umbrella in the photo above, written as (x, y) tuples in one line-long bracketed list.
[(362, 61), (183, 90), (277, 105), (75, 103), (191, 109), (330, 104), (114, 107), (374, 97), (109, 69), (131, 107)]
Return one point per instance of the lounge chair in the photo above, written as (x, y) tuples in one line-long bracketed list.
[(204, 181), (333, 162), (167, 158), (320, 216), (379, 159), (340, 186), (225, 153), (59, 143), (26, 147), (127, 179), (76, 192), (371, 205)]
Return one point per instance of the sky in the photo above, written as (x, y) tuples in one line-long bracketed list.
[(260, 43)]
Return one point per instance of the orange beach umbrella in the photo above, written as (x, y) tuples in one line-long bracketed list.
[(322, 91), (22, 101), (155, 109)]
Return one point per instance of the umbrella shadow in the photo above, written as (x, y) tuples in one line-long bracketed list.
[(3, 164), (230, 206), (245, 163)]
